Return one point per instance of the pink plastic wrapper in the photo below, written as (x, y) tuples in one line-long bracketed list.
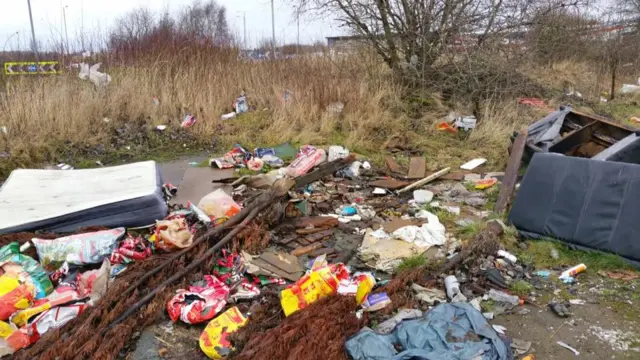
[(189, 121), (199, 304), (308, 158)]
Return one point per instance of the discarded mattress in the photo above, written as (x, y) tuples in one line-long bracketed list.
[(63, 201), (587, 203), (448, 332)]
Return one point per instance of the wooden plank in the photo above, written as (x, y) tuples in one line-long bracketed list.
[(307, 249), (393, 166), (417, 168), (319, 236), (390, 184), (511, 174), (425, 180)]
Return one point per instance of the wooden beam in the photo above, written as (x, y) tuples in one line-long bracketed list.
[(425, 180), (511, 173)]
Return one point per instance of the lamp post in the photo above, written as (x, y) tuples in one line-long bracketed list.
[(33, 32), (9, 38)]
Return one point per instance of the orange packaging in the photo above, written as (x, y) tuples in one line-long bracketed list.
[(308, 289), (486, 183)]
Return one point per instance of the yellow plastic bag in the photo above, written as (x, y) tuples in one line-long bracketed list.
[(20, 318), (308, 289), (213, 340), (6, 329), (364, 288)]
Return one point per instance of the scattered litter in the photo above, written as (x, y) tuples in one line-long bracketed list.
[(161, 127), (379, 191), (473, 164), (429, 296), (520, 347), (446, 127), (576, 352), (501, 296), (228, 116), (375, 302), (617, 339), (465, 123), (422, 196), (499, 329), (214, 340), (577, 302), (92, 74), (508, 256), (200, 303), (188, 121), (240, 104), (543, 273), (560, 309), (568, 276), (486, 183), (387, 326), (337, 152)]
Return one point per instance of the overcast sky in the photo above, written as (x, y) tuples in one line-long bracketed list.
[(47, 18)]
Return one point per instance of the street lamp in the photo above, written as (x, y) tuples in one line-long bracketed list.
[(9, 38), (244, 25)]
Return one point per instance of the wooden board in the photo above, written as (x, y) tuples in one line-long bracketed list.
[(393, 166), (417, 168), (511, 174), (391, 184)]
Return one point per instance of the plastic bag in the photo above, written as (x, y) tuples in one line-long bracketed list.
[(337, 152), (214, 340), (26, 269), (79, 249), (308, 158), (130, 249), (199, 304), (219, 205), (308, 289), (173, 234), (14, 296)]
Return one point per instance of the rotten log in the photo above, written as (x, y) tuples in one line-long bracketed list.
[(511, 173)]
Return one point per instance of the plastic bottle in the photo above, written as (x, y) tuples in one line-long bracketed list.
[(508, 256), (574, 271), (452, 286), (500, 296)]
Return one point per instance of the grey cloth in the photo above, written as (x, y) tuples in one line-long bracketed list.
[(544, 133), (582, 202), (448, 332)]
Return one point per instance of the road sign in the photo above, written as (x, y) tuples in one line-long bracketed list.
[(32, 68)]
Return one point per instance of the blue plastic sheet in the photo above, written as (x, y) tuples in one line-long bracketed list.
[(448, 332)]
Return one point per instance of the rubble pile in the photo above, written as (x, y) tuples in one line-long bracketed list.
[(308, 257)]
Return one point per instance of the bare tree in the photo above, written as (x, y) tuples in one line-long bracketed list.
[(418, 31)]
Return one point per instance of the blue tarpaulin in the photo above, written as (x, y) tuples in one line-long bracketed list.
[(453, 331)]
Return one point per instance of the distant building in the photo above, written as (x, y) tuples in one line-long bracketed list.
[(345, 43)]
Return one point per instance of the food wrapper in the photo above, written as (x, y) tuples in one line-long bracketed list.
[(375, 302), (364, 288), (131, 249), (308, 289), (25, 269), (219, 205), (199, 304), (308, 158), (173, 234), (79, 249), (214, 340), (14, 296)]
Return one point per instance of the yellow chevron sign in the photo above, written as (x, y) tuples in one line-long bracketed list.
[(32, 68)]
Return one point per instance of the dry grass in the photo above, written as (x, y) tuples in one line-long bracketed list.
[(46, 116)]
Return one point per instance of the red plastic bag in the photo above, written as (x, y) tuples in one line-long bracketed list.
[(199, 303), (130, 249)]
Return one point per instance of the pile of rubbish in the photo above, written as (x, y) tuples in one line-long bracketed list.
[(305, 252)]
